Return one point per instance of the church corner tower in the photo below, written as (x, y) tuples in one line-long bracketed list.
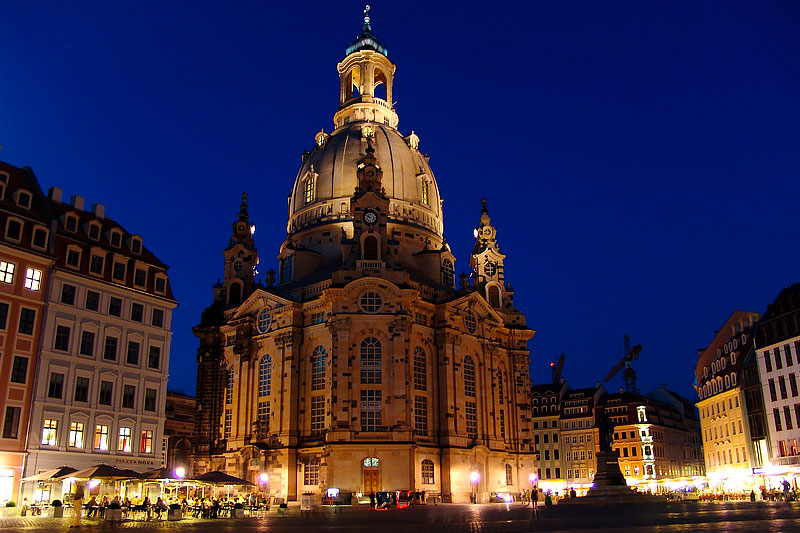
[(363, 366)]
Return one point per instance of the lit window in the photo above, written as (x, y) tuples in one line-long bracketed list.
[(264, 377), (101, 437), (33, 279), (6, 272), (425, 192), (318, 368), (50, 432), (309, 189), (124, 444), (76, 435), (147, 441)]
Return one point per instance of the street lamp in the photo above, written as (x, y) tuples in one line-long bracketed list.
[(473, 480), (180, 472)]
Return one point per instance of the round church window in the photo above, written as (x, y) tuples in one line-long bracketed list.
[(264, 320), (469, 321), (371, 302)]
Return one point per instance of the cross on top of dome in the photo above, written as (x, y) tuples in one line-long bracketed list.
[(366, 41)]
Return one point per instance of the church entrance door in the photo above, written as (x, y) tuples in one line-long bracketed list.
[(371, 481)]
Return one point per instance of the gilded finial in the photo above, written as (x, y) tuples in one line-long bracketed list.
[(367, 26)]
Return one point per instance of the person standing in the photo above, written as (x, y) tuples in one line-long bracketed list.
[(77, 502)]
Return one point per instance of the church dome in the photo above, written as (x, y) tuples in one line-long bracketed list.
[(327, 178)]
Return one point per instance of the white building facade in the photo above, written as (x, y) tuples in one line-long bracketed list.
[(101, 381)]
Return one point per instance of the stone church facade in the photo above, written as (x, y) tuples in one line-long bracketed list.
[(366, 365)]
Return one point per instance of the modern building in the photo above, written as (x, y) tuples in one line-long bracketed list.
[(25, 261), (368, 366), (101, 379), (178, 430), (778, 351), (545, 413), (727, 443)]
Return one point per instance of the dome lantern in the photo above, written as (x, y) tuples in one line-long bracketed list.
[(365, 78)]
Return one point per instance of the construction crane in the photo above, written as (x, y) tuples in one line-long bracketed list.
[(629, 376), (557, 368)]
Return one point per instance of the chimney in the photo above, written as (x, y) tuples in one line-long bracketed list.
[(55, 194), (77, 202), (99, 210)]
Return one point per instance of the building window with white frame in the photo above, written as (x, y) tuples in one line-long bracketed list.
[(124, 444), (311, 472), (101, 437), (420, 369), (371, 410), (471, 418), (6, 272), (228, 423), (469, 376), (317, 415), (264, 376), (33, 279), (75, 435), (50, 432), (371, 366), (420, 415), (229, 386), (318, 368)]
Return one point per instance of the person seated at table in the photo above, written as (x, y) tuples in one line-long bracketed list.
[(91, 507)]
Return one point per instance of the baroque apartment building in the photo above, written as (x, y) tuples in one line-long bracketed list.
[(25, 238), (545, 414), (728, 446), (778, 356), (579, 435), (368, 366), (101, 377)]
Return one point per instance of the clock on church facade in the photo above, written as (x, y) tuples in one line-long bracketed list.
[(365, 366)]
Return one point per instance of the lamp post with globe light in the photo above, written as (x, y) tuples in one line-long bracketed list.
[(180, 473), (473, 480), (263, 479)]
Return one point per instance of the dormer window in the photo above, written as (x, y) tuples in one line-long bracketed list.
[(139, 277), (136, 245), (115, 239), (94, 231), (39, 237), (161, 283), (119, 271), (3, 183), (308, 188), (23, 199), (73, 257), (71, 223), (13, 229), (96, 264)]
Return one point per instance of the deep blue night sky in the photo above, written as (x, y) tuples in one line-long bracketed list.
[(640, 159)]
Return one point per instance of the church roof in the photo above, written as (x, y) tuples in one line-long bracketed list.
[(366, 41)]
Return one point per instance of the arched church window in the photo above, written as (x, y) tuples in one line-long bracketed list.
[(420, 369), (469, 376), (448, 273), (318, 368), (311, 472), (494, 295), (235, 294), (427, 472), (287, 269), (229, 386), (371, 302), (500, 386), (265, 376), (370, 248), (469, 321), (371, 360), (264, 320)]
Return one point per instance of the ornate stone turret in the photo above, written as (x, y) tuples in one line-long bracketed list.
[(241, 259), (486, 262)]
